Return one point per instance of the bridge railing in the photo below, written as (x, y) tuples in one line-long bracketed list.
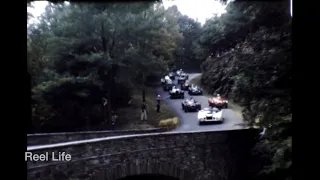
[(121, 156), (53, 138)]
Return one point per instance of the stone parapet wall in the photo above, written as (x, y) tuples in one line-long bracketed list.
[(52, 138), (187, 156)]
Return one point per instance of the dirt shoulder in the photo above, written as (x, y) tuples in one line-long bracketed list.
[(129, 117)]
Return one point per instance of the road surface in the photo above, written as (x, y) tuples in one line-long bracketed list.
[(188, 121)]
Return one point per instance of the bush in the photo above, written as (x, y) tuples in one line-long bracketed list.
[(169, 123), (72, 104)]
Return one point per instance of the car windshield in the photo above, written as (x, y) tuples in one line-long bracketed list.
[(211, 110)]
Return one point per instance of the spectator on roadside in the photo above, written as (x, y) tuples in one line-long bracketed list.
[(143, 111), (114, 118), (158, 103)]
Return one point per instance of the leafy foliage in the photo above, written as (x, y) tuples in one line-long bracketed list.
[(253, 66), (81, 53), (185, 54)]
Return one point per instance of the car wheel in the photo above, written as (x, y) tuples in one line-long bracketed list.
[(200, 123), (226, 106)]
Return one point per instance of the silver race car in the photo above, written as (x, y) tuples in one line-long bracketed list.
[(189, 105), (182, 79), (210, 115), (176, 93)]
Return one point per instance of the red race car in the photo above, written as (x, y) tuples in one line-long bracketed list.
[(218, 102), (185, 86)]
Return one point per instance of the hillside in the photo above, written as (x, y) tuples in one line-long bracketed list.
[(257, 74)]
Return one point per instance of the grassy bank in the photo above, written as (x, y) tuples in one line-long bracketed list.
[(235, 107), (129, 117)]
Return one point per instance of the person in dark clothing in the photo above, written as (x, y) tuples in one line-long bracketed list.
[(143, 96), (143, 111), (158, 103), (114, 118)]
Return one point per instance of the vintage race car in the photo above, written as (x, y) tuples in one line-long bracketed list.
[(178, 73), (176, 93), (185, 75), (218, 102), (168, 79), (185, 86), (171, 76), (163, 81), (167, 86), (189, 105), (195, 90), (182, 79), (210, 115)]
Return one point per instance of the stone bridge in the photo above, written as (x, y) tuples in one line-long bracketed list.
[(218, 155)]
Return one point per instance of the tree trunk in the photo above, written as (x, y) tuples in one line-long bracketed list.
[(105, 47), (109, 93), (143, 88)]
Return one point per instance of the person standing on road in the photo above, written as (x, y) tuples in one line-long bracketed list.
[(114, 118), (143, 111), (158, 103)]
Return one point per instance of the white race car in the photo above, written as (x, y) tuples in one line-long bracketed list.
[(168, 79), (210, 115)]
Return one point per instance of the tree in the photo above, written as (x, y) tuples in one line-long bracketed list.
[(251, 63), (185, 54), (92, 49)]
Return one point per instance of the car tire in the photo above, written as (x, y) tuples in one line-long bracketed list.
[(226, 106), (200, 123)]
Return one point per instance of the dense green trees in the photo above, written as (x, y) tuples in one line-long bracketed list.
[(80, 53), (251, 63), (185, 54)]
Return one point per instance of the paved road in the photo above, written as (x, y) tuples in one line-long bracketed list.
[(188, 121)]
